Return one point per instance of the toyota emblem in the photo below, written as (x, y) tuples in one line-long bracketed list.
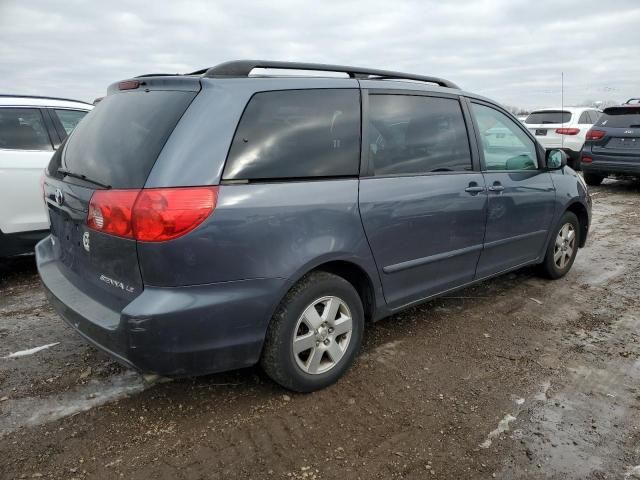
[(86, 243), (59, 197)]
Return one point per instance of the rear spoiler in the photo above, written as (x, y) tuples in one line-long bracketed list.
[(160, 82), (629, 109)]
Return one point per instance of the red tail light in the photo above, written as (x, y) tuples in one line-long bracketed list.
[(595, 134), (110, 211), (151, 215), (166, 213), (586, 159), (567, 131)]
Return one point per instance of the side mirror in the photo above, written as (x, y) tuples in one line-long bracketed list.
[(556, 159)]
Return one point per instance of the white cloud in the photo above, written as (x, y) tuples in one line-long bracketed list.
[(511, 51)]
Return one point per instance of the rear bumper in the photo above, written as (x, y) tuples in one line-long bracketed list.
[(177, 331), (19, 243), (571, 144), (606, 164)]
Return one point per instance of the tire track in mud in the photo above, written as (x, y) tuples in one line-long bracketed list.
[(579, 428)]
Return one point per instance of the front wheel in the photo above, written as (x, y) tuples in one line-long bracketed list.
[(563, 247), (315, 334)]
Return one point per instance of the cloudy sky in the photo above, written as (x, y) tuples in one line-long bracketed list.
[(512, 51)]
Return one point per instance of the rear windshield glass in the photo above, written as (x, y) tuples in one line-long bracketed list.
[(297, 134), (118, 142), (623, 117), (549, 116)]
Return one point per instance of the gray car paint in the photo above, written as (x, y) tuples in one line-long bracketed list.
[(208, 296)]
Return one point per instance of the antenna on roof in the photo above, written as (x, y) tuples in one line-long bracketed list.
[(562, 106)]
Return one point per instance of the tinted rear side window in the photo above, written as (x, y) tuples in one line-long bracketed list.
[(69, 118), (622, 117), (413, 135), (585, 118), (118, 142), (549, 116), (297, 134), (23, 129)]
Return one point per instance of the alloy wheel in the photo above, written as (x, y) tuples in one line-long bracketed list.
[(322, 335), (565, 246)]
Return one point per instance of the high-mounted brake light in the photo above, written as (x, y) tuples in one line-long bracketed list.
[(567, 131), (593, 134), (129, 85), (151, 215)]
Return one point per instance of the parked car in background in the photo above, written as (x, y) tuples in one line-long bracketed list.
[(563, 128), (612, 146), (214, 220), (633, 101), (31, 128)]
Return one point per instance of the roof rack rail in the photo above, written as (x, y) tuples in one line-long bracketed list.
[(242, 68), (156, 75), (9, 95)]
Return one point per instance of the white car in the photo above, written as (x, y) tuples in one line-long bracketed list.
[(31, 128), (564, 128)]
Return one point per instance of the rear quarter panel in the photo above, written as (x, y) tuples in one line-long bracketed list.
[(267, 230), (259, 230)]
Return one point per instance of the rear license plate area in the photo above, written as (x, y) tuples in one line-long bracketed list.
[(541, 132), (68, 234), (624, 143)]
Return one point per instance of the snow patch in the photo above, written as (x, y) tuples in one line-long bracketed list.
[(31, 351), (541, 396), (30, 411), (519, 401), (503, 426), (632, 472)]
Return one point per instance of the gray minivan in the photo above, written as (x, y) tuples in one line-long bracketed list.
[(219, 219)]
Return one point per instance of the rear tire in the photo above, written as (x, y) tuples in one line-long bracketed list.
[(593, 179), (315, 334), (562, 248)]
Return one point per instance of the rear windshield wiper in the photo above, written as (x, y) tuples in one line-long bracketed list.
[(79, 176)]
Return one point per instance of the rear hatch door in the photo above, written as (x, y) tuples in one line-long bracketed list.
[(114, 147), (622, 133), (544, 123)]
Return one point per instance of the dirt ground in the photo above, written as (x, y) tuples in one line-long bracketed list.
[(518, 377)]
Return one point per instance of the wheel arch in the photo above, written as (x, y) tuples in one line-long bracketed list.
[(580, 211), (363, 278), (356, 276)]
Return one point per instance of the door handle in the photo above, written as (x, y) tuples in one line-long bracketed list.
[(474, 189), (496, 187)]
